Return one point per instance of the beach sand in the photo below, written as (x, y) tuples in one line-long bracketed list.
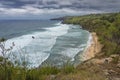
[(92, 49)]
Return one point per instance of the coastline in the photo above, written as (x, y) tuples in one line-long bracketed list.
[(92, 49)]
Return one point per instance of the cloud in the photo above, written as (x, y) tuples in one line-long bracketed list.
[(92, 4), (46, 13), (51, 8), (36, 11)]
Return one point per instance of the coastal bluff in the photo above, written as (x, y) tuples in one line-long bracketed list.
[(102, 57)]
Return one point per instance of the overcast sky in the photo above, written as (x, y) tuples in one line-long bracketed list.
[(44, 9)]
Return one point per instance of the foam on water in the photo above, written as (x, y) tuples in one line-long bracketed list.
[(36, 50), (68, 46), (89, 42), (56, 45), (72, 52)]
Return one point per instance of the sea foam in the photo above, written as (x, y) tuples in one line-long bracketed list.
[(36, 50)]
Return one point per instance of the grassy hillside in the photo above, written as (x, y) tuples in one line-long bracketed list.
[(107, 27)]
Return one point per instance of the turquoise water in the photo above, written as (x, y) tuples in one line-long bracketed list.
[(54, 43)]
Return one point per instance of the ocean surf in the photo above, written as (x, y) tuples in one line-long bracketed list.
[(51, 43)]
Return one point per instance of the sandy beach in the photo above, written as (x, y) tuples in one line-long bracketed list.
[(92, 49)]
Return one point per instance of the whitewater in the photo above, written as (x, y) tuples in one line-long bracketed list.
[(56, 45)]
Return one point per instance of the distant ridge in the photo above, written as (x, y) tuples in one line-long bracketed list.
[(59, 19)]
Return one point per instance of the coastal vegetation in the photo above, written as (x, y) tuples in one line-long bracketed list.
[(107, 27)]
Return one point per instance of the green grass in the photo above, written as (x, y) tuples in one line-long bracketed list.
[(18, 73), (44, 73)]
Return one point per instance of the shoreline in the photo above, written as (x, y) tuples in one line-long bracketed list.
[(92, 48)]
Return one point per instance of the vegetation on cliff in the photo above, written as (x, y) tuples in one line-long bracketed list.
[(107, 27)]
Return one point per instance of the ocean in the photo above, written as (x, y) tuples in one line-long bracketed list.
[(43, 42)]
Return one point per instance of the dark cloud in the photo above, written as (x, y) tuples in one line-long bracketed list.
[(56, 6), (90, 4)]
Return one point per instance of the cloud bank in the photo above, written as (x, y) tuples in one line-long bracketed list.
[(44, 9)]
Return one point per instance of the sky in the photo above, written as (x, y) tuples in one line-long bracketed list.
[(46, 9)]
